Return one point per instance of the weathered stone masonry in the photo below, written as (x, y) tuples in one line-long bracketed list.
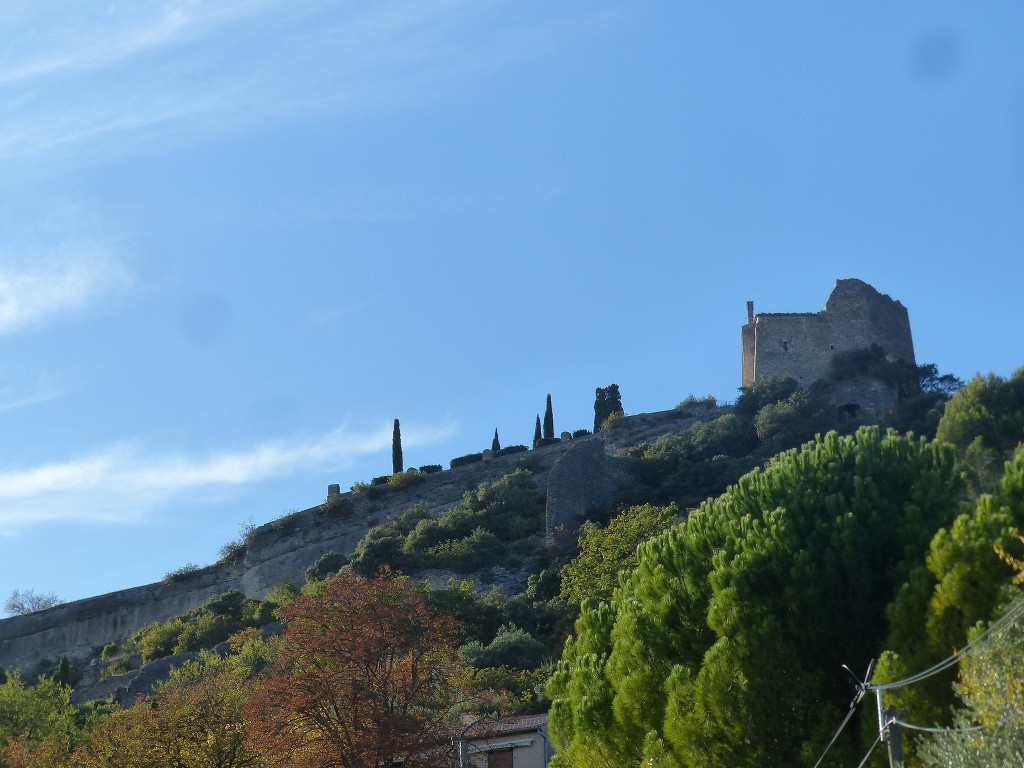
[(802, 344)]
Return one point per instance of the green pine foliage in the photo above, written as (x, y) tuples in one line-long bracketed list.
[(549, 421), (963, 581), (724, 646)]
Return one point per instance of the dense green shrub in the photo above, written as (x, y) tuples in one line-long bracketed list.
[(110, 651), (180, 574), (469, 458), (204, 627), (477, 550), (232, 551), (336, 506), (382, 544), (510, 449), (381, 480), (325, 567), (614, 420), (581, 433), (547, 441), (770, 389), (692, 401), (431, 468), (407, 479), (286, 522), (511, 647)]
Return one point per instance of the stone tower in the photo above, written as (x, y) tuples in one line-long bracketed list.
[(801, 344)]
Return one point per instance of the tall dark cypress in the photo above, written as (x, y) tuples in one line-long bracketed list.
[(396, 449), (607, 401), (549, 421), (536, 432), (495, 445)]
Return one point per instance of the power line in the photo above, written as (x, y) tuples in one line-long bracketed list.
[(1011, 615), (839, 730), (874, 744), (928, 729)]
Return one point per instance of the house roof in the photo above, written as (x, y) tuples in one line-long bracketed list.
[(506, 726)]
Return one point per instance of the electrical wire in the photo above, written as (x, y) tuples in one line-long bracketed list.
[(1011, 615), (874, 744), (839, 730), (927, 729)]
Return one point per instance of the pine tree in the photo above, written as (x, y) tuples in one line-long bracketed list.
[(549, 421), (495, 445), (536, 432), (396, 449)]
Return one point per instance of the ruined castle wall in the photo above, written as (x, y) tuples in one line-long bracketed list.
[(802, 345), (747, 341), (583, 477), (792, 345)]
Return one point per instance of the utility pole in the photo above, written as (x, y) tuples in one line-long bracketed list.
[(889, 732)]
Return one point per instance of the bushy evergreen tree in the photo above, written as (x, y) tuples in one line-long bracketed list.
[(495, 444), (549, 421), (724, 645), (536, 432)]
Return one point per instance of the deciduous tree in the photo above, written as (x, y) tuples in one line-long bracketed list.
[(21, 601), (193, 721), (366, 675), (605, 552)]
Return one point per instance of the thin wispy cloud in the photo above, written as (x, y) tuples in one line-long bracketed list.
[(151, 74), (35, 286), (11, 400), (125, 482)]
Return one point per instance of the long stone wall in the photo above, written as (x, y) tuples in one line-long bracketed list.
[(574, 475), (277, 553)]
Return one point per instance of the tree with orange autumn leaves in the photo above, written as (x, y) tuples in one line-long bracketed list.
[(365, 674)]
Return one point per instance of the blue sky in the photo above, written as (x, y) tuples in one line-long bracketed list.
[(238, 238)]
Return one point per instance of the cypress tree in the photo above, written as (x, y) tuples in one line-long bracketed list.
[(495, 445), (549, 421), (607, 401), (536, 432), (396, 449)]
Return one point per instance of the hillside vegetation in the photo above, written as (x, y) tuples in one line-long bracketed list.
[(701, 618)]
